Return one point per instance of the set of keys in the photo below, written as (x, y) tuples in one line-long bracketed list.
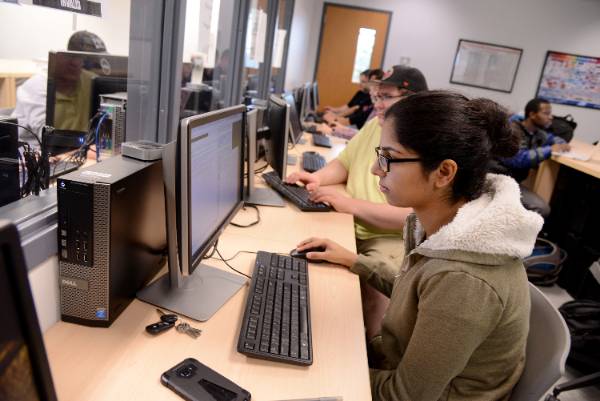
[(168, 320)]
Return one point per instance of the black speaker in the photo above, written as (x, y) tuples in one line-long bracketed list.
[(9, 161)]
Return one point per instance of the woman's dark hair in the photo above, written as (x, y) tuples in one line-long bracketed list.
[(375, 73), (440, 125)]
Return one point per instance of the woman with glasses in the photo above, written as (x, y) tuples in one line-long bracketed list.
[(457, 323), (378, 225)]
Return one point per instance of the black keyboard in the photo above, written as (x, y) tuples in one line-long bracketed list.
[(321, 140), (276, 324), (312, 161), (299, 196)]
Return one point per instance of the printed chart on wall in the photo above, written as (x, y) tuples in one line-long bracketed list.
[(571, 79), (485, 65)]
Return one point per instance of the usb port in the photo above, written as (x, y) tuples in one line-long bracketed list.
[(77, 244), (85, 258), (85, 245)]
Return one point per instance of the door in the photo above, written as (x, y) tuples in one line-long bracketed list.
[(352, 39)]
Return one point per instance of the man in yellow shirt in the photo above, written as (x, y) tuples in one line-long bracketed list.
[(378, 225)]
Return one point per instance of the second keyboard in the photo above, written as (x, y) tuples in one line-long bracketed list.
[(299, 196)]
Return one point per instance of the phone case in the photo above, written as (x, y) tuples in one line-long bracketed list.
[(194, 381)]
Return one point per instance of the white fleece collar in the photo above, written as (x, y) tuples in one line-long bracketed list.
[(495, 223)]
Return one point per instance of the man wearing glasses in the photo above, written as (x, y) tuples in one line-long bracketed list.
[(378, 225)]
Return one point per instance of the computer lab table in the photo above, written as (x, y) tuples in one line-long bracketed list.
[(123, 362)]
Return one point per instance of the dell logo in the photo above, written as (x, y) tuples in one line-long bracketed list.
[(74, 283)]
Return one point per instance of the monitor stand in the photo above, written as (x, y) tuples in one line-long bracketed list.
[(199, 296)]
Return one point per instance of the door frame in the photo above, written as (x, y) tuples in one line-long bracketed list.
[(325, 5)]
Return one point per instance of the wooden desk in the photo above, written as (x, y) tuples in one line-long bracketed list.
[(548, 170), (123, 362), (11, 71)]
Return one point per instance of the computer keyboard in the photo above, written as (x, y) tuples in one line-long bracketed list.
[(321, 140), (276, 323), (312, 161), (299, 196)]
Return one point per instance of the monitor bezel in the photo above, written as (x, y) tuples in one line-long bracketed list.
[(18, 282), (189, 260), (280, 168)]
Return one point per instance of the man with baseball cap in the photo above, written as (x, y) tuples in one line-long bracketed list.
[(378, 225)]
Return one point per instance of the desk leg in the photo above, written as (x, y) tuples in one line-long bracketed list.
[(546, 179)]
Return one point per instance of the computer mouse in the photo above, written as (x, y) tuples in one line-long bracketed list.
[(302, 254)]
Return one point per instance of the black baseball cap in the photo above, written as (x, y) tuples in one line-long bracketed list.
[(85, 41), (404, 77)]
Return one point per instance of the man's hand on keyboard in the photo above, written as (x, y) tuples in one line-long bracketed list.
[(334, 198), (334, 252), (310, 181)]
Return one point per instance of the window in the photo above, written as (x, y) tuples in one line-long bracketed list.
[(364, 52)]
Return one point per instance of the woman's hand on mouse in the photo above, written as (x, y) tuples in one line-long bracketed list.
[(334, 252)]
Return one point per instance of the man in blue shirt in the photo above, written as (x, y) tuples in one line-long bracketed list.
[(537, 145)]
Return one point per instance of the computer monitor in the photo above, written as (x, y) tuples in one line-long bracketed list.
[(71, 98), (295, 124), (278, 118), (204, 186), (308, 106), (315, 95), (257, 196), (24, 371)]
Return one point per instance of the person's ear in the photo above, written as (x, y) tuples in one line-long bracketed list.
[(445, 173)]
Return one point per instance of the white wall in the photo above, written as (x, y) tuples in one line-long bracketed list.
[(29, 32), (427, 31)]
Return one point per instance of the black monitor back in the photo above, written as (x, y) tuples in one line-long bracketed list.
[(278, 123), (24, 369), (295, 124), (9, 161)]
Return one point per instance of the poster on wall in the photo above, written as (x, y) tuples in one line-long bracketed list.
[(485, 65), (78, 6), (570, 79)]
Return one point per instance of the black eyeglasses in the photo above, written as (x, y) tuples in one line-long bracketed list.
[(384, 160)]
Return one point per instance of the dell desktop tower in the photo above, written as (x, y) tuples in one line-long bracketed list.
[(111, 237)]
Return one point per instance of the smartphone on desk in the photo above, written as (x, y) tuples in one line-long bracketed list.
[(194, 381)]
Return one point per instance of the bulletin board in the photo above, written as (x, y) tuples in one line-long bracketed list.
[(485, 65), (570, 79)]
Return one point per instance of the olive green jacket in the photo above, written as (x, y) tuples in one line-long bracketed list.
[(458, 319)]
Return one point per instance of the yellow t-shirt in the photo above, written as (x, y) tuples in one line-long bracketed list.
[(357, 158), (72, 112)]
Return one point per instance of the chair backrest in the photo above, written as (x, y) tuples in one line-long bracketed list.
[(548, 346)]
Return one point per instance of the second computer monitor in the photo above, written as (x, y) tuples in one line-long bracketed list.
[(278, 117), (295, 124)]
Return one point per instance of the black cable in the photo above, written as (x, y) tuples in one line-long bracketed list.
[(25, 128), (214, 247), (228, 265), (250, 224)]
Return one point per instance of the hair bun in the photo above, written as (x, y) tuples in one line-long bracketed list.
[(503, 138)]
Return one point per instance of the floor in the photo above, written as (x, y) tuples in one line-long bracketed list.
[(558, 296)]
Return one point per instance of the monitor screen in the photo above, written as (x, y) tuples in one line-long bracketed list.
[(278, 122), (72, 96), (294, 118), (24, 371), (212, 173)]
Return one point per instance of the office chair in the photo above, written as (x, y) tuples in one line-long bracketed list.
[(548, 346)]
